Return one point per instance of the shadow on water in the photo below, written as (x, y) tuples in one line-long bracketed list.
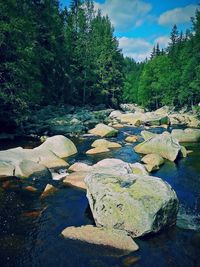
[(30, 228)]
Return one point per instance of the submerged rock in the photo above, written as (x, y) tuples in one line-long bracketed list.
[(187, 135), (136, 204), (49, 190), (101, 236), (162, 144), (103, 130)]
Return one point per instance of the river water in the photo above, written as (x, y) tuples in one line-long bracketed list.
[(30, 227)]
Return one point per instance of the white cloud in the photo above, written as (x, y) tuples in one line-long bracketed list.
[(136, 48), (162, 40), (177, 15), (125, 14)]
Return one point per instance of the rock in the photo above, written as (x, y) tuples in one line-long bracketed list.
[(79, 166), (187, 136), (104, 130), (58, 176), (138, 169), (147, 135), (49, 190), (111, 166), (184, 152), (6, 169), (30, 189), (45, 157), (27, 168), (131, 108), (101, 236), (129, 261), (118, 126), (105, 144), (76, 179), (157, 121), (162, 144), (60, 146), (136, 204), (115, 114), (131, 139), (97, 150), (154, 160), (150, 167), (163, 111), (134, 119)]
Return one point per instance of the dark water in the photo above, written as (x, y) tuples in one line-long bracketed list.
[(30, 227)]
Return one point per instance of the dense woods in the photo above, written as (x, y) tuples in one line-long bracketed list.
[(170, 77), (53, 56)]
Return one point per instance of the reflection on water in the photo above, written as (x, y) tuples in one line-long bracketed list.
[(30, 228)]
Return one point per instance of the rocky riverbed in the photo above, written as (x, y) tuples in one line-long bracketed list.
[(104, 180)]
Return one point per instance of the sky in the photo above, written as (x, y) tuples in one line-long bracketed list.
[(140, 24)]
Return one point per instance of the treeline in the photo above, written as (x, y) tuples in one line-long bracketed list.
[(170, 77), (53, 56)]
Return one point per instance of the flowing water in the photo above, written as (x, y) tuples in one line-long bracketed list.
[(30, 227)]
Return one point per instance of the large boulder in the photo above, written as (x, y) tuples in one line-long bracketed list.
[(187, 135), (103, 130), (6, 169), (27, 168), (110, 166), (137, 204), (59, 145), (162, 144), (28, 162), (134, 119), (101, 236), (147, 135)]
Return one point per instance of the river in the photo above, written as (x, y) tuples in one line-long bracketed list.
[(30, 227)]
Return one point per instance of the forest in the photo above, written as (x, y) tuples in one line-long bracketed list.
[(56, 56)]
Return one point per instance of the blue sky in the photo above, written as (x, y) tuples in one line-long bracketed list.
[(139, 24)]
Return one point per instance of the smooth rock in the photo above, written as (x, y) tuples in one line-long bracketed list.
[(162, 144), (97, 150), (136, 204), (76, 179), (147, 135), (131, 139), (153, 159), (59, 145), (6, 169), (80, 166), (138, 169), (27, 168), (105, 144), (103, 130), (187, 136), (101, 236)]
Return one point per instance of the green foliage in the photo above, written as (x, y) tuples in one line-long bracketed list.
[(168, 78), (53, 56)]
